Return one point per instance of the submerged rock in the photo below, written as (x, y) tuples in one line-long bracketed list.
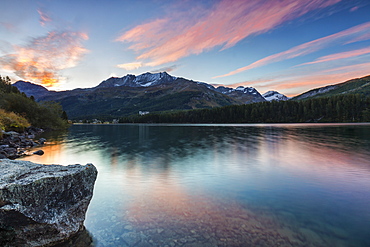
[(43, 204), (39, 152)]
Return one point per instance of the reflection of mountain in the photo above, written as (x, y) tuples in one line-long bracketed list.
[(175, 141), (346, 138), (148, 140), (165, 145)]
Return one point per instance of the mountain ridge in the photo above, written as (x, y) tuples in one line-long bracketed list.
[(143, 80), (120, 96), (147, 80), (359, 85), (146, 92)]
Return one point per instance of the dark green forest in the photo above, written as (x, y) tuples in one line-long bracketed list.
[(48, 115), (340, 108)]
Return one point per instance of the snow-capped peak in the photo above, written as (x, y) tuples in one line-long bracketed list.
[(143, 80), (149, 79), (241, 89), (274, 95), (249, 90)]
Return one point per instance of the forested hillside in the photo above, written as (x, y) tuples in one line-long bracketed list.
[(354, 86), (16, 105), (342, 108)]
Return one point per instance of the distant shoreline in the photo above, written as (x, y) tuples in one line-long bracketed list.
[(230, 124)]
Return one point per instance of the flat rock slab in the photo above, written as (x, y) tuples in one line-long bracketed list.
[(43, 204)]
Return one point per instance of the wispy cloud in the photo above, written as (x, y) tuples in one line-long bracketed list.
[(354, 8), (130, 66), (165, 69), (295, 83), (8, 26), (247, 83), (341, 55), (223, 25), (365, 36), (42, 58), (309, 47), (325, 77), (44, 17)]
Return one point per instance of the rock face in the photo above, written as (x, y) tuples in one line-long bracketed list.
[(143, 80), (43, 204), (246, 95)]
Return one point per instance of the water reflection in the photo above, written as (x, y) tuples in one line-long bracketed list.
[(267, 185)]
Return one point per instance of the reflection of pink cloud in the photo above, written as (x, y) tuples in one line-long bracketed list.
[(306, 48), (225, 24), (341, 55)]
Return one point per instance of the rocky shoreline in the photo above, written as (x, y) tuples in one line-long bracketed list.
[(14, 145)]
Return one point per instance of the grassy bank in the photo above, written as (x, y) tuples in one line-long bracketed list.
[(10, 121)]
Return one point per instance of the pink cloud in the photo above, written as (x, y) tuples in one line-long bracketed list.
[(130, 66), (165, 69), (8, 26), (363, 37), (44, 57), (341, 55), (306, 48), (224, 24), (44, 17), (295, 84), (150, 32), (246, 83)]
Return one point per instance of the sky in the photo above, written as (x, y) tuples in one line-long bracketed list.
[(289, 46)]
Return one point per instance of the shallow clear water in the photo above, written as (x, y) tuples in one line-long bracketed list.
[(223, 185)]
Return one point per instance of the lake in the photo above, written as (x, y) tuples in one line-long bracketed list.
[(223, 185)]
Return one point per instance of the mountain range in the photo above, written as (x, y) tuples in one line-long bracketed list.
[(116, 97), (150, 92)]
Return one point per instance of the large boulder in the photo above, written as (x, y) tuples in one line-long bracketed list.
[(43, 204)]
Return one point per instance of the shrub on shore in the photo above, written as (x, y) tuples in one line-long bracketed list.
[(10, 121)]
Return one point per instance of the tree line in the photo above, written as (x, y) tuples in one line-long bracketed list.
[(340, 108), (48, 115)]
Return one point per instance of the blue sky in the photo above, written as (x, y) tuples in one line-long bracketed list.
[(286, 45)]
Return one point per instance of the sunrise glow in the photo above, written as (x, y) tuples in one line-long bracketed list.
[(284, 45)]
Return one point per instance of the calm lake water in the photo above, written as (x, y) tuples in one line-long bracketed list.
[(223, 185)]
